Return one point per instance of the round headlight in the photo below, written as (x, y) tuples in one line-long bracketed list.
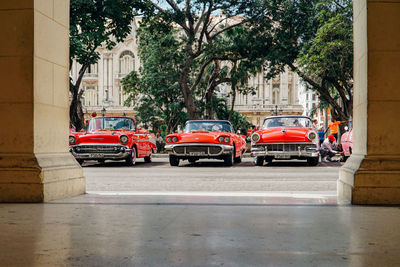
[(174, 139), (169, 140), (220, 139), (312, 135), (124, 139), (255, 137), (226, 139), (72, 139)]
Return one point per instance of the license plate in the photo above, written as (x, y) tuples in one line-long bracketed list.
[(197, 153), (96, 155), (282, 156)]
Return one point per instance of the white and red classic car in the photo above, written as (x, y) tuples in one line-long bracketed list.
[(112, 138), (206, 139), (285, 137)]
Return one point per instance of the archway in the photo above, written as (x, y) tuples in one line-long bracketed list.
[(35, 164)]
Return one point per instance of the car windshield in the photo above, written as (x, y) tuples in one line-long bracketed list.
[(208, 126), (295, 122), (110, 123)]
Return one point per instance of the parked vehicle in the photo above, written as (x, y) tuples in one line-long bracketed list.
[(112, 138), (346, 141), (285, 137), (206, 139)]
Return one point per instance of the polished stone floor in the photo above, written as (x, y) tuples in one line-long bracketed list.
[(199, 229)]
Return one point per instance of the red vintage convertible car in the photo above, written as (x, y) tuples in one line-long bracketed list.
[(112, 138), (285, 137), (206, 139)]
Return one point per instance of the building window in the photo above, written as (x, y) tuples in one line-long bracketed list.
[(275, 94), (313, 97), (126, 62), (90, 97)]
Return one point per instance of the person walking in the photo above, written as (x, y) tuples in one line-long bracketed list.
[(334, 126), (328, 148)]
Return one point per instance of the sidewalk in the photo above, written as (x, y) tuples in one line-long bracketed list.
[(185, 230)]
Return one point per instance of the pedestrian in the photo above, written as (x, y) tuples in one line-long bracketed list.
[(328, 148), (321, 134), (159, 143), (333, 126)]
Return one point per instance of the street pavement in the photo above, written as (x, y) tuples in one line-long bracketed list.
[(211, 176)]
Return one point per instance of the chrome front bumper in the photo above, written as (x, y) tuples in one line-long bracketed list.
[(100, 151), (285, 150), (201, 150)]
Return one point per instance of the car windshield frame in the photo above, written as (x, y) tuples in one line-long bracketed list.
[(111, 124), (287, 122), (208, 126)]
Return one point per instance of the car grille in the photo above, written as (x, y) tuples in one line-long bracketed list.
[(213, 150), (96, 148), (289, 147)]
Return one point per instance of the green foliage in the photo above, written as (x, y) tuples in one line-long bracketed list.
[(98, 22), (154, 91)]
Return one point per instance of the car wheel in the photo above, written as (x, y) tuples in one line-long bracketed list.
[(239, 159), (173, 160), (149, 158), (229, 159), (131, 159), (312, 161), (259, 161), (345, 158), (101, 161), (268, 159), (192, 160)]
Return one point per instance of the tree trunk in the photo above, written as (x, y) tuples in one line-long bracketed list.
[(75, 109), (232, 102)]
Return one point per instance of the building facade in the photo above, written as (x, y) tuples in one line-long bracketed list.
[(103, 89), (101, 81)]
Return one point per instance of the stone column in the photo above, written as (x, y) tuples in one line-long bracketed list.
[(35, 164), (372, 173)]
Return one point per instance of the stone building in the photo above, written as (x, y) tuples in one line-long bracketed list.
[(277, 96)]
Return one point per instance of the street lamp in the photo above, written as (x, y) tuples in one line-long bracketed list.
[(275, 111), (103, 112)]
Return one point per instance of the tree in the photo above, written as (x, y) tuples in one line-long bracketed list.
[(314, 39), (95, 23), (199, 28), (154, 91)]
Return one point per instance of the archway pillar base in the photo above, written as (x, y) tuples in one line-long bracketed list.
[(39, 177), (370, 180)]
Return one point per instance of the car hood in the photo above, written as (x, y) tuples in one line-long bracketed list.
[(206, 137), (284, 135), (100, 137)]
